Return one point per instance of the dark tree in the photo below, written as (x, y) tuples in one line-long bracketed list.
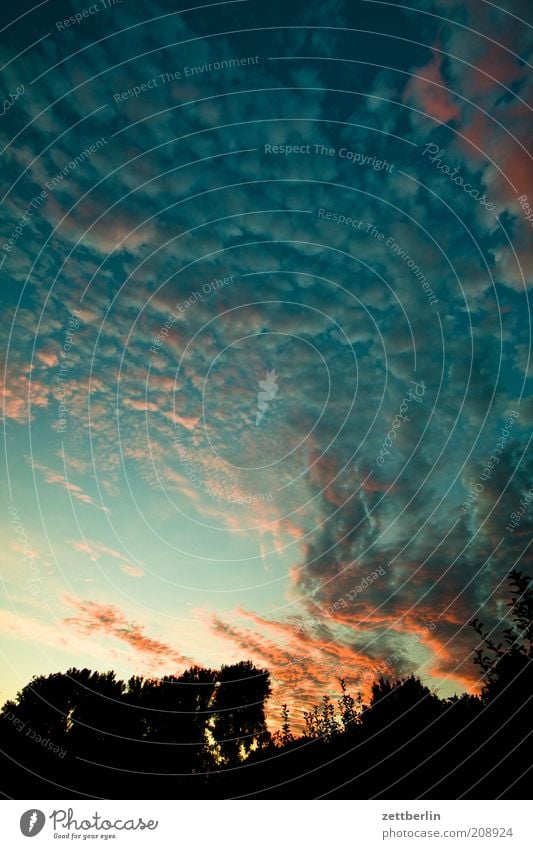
[(506, 660), (406, 703), (239, 724)]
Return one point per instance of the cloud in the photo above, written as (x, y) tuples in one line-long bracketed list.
[(56, 478), (22, 398), (302, 667), (95, 618), (134, 571), (44, 636), (428, 91), (95, 550)]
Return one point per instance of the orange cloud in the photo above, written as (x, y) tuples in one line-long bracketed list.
[(94, 617), (303, 667)]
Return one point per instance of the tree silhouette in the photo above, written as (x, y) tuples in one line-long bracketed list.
[(348, 706), (506, 665), (286, 733), (239, 724), (407, 703)]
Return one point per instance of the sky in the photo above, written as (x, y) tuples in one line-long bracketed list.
[(265, 280)]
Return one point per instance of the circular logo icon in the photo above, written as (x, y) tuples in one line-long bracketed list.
[(32, 822)]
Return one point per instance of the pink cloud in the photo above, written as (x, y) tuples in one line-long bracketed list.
[(74, 490), (47, 356), (134, 571), (95, 550), (19, 395), (427, 91)]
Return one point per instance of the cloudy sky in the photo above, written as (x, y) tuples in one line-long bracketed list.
[(266, 323)]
